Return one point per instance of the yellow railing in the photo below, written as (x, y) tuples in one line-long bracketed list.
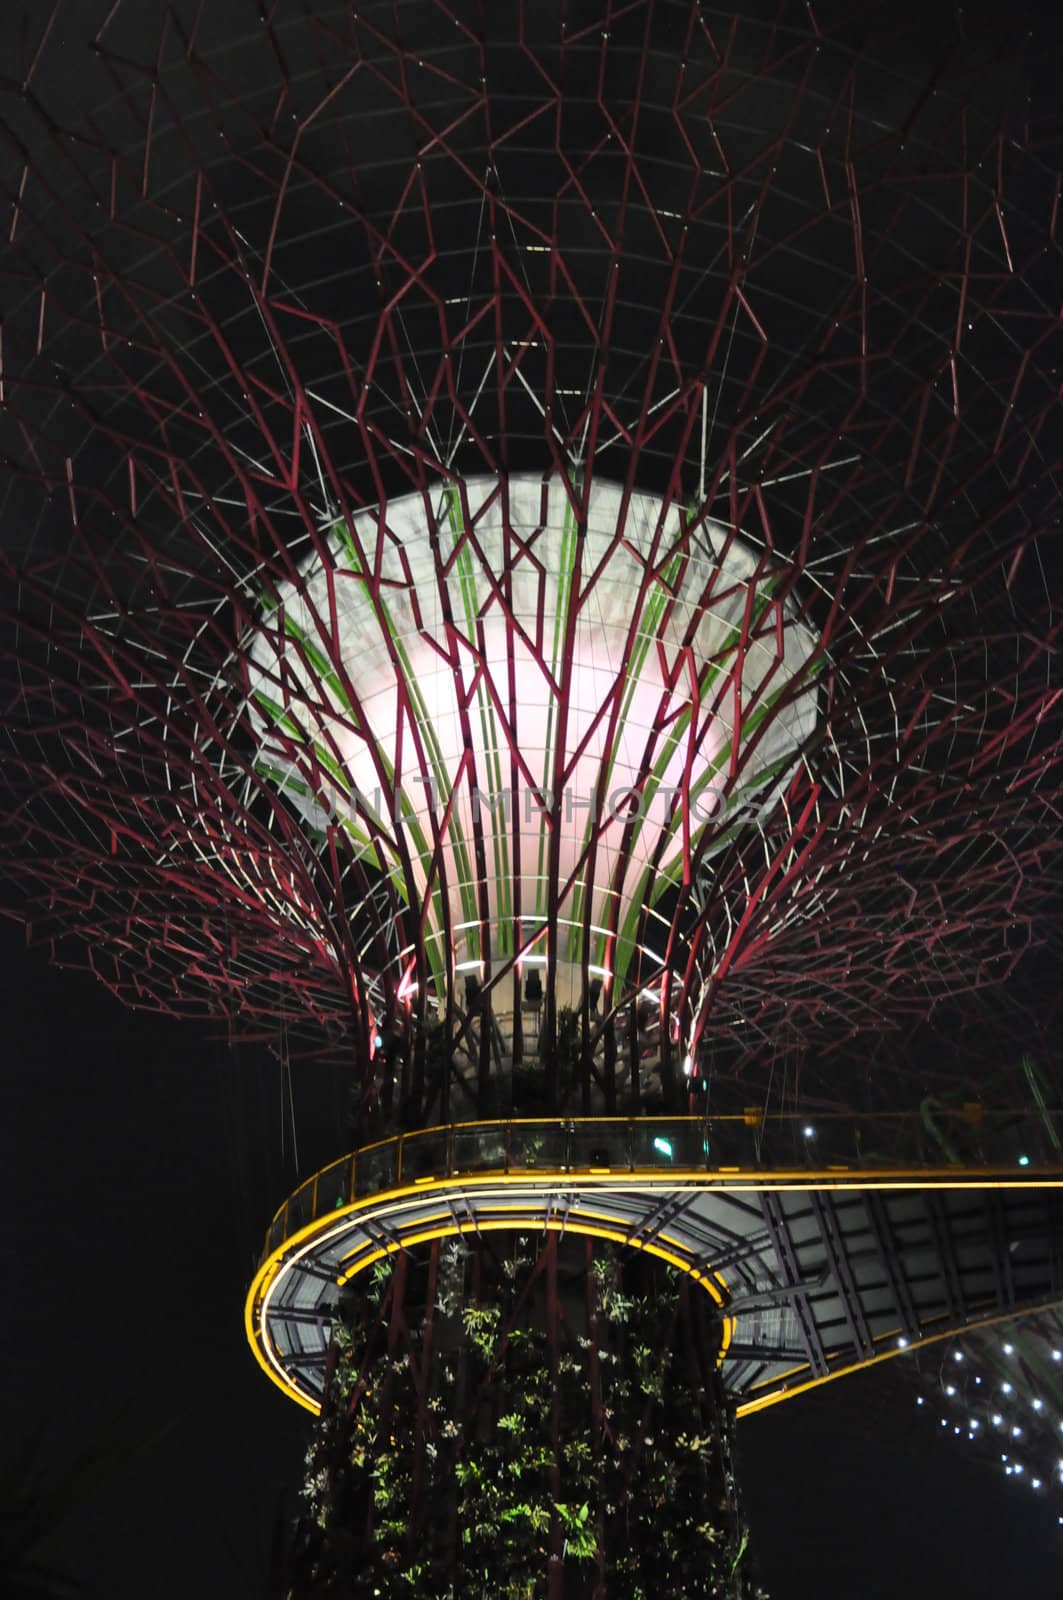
[(966, 1138)]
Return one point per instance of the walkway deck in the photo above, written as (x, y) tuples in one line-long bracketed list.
[(819, 1266)]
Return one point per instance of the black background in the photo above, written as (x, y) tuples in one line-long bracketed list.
[(141, 1164)]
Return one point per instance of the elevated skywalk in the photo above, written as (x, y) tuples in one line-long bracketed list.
[(828, 1245)]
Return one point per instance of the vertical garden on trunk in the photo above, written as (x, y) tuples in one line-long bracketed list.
[(522, 1416)]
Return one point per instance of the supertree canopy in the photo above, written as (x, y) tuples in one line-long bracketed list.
[(527, 570), (998, 1391)]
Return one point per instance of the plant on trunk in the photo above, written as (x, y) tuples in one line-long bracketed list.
[(531, 1424)]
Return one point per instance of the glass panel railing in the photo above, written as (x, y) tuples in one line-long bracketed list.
[(932, 1137), (301, 1207), (376, 1168), (424, 1155), (334, 1186), (605, 1146), (279, 1229), (1015, 1141), (666, 1143), (732, 1142), (538, 1144), (480, 1148)]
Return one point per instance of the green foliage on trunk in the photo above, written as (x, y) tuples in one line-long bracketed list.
[(547, 1424)]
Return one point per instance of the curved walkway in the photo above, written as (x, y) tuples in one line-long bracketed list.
[(820, 1264)]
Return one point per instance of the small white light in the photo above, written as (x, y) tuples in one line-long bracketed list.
[(997, 1419), (1006, 1387), (809, 1132), (975, 1422), (1038, 1405), (978, 1380), (949, 1390), (688, 1066), (1057, 1355), (919, 1400), (957, 1355), (1009, 1349), (1016, 1433), (902, 1343), (1018, 1466), (944, 1422), (1036, 1484)]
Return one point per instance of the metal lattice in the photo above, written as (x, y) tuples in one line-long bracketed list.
[(683, 377)]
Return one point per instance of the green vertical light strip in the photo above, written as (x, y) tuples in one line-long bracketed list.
[(648, 634), (488, 731), (632, 672), (298, 734), (653, 610), (654, 881), (434, 952), (341, 779), (564, 590)]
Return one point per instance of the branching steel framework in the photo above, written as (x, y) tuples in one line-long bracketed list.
[(407, 404), (293, 279), (767, 301)]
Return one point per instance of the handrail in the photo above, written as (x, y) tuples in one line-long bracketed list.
[(734, 1142)]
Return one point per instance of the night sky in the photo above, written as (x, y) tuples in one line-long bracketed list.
[(141, 1163), (142, 1160)]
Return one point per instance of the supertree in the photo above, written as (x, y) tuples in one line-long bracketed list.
[(526, 571), (999, 1392), (998, 1388)]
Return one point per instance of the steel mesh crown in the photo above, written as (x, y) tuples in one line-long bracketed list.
[(541, 513)]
